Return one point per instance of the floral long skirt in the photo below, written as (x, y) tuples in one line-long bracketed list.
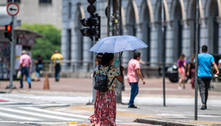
[(104, 109)]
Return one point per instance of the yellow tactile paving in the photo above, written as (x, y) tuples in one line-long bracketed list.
[(209, 123), (119, 113), (138, 115)]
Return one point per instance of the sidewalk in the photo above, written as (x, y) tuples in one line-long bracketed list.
[(179, 109)]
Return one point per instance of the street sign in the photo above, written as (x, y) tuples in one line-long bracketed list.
[(12, 9)]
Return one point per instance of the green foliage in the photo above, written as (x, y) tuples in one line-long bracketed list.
[(50, 42)]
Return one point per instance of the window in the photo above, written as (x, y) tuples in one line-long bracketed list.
[(16, 1), (45, 1)]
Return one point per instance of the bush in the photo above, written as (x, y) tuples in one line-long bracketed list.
[(50, 42)]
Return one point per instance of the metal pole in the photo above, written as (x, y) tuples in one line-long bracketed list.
[(108, 18), (196, 57), (12, 54), (120, 19), (162, 25)]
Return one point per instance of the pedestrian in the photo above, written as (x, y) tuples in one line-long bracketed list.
[(133, 76), (219, 64), (38, 66), (181, 63), (25, 63), (205, 61), (191, 71), (105, 104), (57, 60)]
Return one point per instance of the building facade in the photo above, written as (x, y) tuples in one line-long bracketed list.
[(39, 11), (141, 18)]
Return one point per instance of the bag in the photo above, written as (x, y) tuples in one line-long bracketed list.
[(101, 81)]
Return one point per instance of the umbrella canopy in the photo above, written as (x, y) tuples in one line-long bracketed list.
[(115, 44)]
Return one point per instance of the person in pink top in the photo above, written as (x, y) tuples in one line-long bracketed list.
[(133, 76), (25, 63)]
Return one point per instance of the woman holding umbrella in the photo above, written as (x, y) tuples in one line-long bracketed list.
[(105, 104)]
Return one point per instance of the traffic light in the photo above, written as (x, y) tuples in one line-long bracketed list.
[(91, 27), (91, 8), (8, 32)]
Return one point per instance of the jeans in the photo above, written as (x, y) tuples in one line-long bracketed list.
[(38, 69), (57, 71), (204, 84), (25, 71), (133, 93)]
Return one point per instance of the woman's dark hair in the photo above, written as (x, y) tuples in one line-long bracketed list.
[(106, 58), (99, 57), (136, 55), (204, 48)]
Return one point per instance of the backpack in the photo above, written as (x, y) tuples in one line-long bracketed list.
[(101, 81)]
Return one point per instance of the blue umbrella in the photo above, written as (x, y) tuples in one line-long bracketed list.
[(115, 44)]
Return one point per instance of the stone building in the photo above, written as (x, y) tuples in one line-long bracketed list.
[(39, 11), (141, 18)]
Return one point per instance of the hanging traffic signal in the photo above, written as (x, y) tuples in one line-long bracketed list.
[(91, 8), (98, 27), (91, 27), (8, 32)]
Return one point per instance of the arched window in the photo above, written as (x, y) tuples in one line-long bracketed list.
[(213, 27), (131, 24), (158, 27), (192, 26), (178, 31), (79, 44), (146, 33)]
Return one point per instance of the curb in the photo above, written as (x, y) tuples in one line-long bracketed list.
[(162, 122)]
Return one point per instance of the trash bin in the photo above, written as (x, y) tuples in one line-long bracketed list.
[(172, 73)]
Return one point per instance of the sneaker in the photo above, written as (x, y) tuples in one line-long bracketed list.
[(179, 88), (132, 106), (29, 86), (203, 107)]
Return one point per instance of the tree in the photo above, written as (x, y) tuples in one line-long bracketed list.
[(50, 42)]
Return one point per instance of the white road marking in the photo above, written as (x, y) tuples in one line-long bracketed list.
[(53, 112), (38, 114), (3, 114)]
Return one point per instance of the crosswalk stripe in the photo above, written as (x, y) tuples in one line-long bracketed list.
[(38, 114), (53, 112), (3, 114)]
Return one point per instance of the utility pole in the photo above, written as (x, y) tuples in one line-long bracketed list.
[(197, 25), (113, 13)]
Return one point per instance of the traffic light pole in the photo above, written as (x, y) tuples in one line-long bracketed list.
[(12, 54), (197, 25)]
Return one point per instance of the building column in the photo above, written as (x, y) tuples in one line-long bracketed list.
[(74, 50), (153, 47), (169, 45), (203, 33), (186, 41), (140, 36), (125, 56), (86, 54), (64, 48)]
